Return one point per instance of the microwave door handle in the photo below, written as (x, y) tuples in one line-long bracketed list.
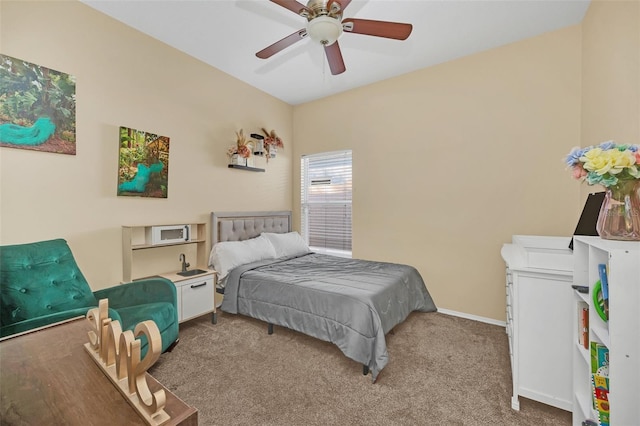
[(186, 229)]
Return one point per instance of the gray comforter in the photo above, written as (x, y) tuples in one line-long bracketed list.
[(351, 303)]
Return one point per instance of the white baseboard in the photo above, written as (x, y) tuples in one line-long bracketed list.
[(472, 317)]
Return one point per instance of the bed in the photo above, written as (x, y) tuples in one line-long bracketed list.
[(267, 272)]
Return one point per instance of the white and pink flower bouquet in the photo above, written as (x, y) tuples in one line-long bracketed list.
[(605, 164), (271, 143)]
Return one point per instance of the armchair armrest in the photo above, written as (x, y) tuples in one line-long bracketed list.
[(156, 289)]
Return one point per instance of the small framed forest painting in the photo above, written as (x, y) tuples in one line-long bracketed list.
[(143, 164)]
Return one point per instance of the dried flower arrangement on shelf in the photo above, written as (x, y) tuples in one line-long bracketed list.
[(240, 152), (241, 147), (271, 143)]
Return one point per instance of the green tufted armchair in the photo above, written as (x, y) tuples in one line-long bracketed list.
[(40, 284)]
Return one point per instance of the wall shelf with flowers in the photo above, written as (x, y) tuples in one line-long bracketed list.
[(242, 153), (614, 166)]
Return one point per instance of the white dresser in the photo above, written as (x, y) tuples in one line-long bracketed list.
[(540, 318)]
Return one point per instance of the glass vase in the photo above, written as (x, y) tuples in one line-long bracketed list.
[(619, 217)]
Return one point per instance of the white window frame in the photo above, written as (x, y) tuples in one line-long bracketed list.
[(323, 177)]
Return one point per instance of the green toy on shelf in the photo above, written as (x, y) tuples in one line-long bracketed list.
[(598, 301)]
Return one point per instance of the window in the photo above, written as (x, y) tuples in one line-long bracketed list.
[(326, 202)]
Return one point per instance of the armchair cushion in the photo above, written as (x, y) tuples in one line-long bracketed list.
[(40, 279)]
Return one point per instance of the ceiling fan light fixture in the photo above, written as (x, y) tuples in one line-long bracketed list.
[(324, 30)]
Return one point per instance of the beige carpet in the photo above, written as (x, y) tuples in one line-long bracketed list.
[(442, 370)]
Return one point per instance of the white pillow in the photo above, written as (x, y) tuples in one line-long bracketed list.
[(289, 244), (230, 254)]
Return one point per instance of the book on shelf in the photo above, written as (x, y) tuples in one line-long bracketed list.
[(599, 356), (600, 386), (583, 325), (600, 381)]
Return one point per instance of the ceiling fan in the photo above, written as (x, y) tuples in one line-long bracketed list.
[(325, 25)]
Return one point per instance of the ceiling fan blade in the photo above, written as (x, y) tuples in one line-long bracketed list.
[(276, 47), (292, 5), (395, 30), (334, 57)]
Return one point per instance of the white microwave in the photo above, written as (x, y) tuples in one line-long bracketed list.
[(168, 234)]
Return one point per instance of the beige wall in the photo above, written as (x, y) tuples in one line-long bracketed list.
[(125, 78), (451, 160), (473, 148), (611, 72)]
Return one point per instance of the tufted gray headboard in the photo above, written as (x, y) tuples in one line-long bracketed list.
[(239, 226)]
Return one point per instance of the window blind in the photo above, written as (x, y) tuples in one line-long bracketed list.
[(326, 202)]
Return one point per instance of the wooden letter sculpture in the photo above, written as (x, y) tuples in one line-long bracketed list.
[(117, 353)]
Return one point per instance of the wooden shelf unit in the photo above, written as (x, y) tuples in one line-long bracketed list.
[(140, 259), (134, 242)]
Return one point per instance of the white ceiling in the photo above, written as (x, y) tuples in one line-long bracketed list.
[(226, 34)]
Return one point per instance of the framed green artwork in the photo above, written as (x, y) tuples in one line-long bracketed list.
[(37, 107), (143, 164)]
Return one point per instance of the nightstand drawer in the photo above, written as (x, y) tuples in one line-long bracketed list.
[(197, 297)]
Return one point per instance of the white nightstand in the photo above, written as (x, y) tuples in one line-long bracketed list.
[(196, 295)]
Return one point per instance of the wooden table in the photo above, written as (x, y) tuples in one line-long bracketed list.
[(47, 377)]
